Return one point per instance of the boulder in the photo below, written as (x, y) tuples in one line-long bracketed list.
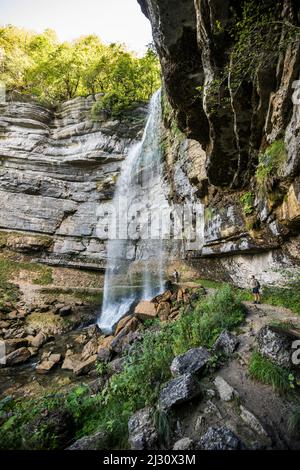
[(226, 343), (117, 365), (122, 323), (276, 345), (96, 441), (39, 340), (106, 342), (164, 297), (71, 362), (103, 355), (85, 367), (226, 392), (47, 364), (145, 310), (254, 423), (18, 356), (220, 438), (15, 343), (163, 310), (90, 349), (193, 362), (184, 444), (141, 429), (179, 390)]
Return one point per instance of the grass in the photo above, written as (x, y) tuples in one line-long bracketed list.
[(283, 297), (147, 368), (85, 295), (265, 371), (210, 284)]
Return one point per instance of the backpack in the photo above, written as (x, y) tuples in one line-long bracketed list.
[(257, 284)]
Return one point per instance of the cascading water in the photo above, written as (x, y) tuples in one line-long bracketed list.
[(136, 226)]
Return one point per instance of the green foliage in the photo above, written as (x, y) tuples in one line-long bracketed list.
[(270, 164), (247, 201), (209, 284), (265, 371), (283, 297), (39, 65), (223, 310), (44, 277)]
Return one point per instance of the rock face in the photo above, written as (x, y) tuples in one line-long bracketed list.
[(58, 170), (179, 390), (214, 161), (192, 362)]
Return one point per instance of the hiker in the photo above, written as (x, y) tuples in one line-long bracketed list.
[(255, 289), (176, 275)]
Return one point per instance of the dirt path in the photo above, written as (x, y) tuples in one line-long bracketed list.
[(271, 409)]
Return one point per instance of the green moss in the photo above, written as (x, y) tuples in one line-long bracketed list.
[(265, 371), (247, 201), (270, 164), (208, 214)]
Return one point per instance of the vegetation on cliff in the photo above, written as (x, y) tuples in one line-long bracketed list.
[(39, 65)]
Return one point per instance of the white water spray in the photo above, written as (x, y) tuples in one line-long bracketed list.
[(138, 207)]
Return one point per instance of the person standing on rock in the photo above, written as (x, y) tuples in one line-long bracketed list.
[(176, 276), (255, 289)]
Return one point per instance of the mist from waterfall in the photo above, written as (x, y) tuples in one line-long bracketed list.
[(136, 226)]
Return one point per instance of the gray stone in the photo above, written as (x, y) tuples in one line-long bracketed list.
[(193, 361), (276, 345), (220, 438), (117, 365), (226, 343), (142, 432), (179, 390), (184, 444), (96, 441), (254, 423), (39, 340), (226, 392)]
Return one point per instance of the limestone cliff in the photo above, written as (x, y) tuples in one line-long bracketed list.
[(58, 169), (247, 228)]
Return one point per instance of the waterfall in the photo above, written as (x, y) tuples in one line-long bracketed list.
[(136, 226)]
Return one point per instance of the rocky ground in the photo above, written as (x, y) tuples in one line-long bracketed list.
[(51, 345)]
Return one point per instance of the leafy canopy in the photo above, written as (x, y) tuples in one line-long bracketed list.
[(40, 65)]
